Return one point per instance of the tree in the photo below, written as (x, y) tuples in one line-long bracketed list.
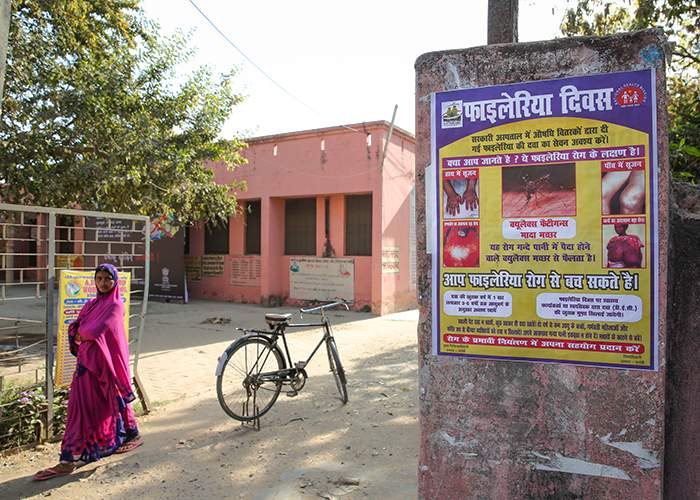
[(92, 116), (680, 20)]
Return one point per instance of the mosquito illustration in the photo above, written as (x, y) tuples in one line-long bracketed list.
[(534, 187)]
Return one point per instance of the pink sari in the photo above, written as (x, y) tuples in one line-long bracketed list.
[(100, 418)]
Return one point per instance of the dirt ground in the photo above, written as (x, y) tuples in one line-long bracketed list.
[(309, 446)]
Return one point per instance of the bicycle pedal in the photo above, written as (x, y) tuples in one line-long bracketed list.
[(300, 365), (292, 394)]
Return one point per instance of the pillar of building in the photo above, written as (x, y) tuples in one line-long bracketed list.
[(271, 252)]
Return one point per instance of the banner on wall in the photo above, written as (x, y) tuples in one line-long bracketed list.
[(167, 261), (75, 289), (321, 279), (547, 221), (114, 241)]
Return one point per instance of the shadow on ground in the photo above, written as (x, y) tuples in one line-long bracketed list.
[(308, 446)]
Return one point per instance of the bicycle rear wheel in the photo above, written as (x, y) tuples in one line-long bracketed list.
[(249, 385), (337, 369)]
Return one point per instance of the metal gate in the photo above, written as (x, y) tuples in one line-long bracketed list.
[(36, 243)]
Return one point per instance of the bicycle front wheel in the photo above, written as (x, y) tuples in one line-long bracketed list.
[(337, 369), (249, 383)]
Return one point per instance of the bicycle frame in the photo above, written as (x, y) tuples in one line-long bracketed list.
[(280, 331), (284, 371), (326, 335)]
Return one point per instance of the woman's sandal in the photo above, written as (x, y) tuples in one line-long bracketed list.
[(130, 445), (62, 469)]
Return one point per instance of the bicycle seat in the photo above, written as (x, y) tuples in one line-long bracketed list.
[(276, 319)]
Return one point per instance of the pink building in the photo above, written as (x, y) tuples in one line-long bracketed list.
[(327, 213)]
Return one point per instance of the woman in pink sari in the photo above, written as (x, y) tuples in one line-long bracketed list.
[(100, 420)]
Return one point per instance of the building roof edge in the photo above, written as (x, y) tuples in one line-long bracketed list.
[(359, 127)]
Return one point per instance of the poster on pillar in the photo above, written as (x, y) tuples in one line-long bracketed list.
[(547, 215)]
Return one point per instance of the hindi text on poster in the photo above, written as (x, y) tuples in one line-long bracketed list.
[(546, 221)]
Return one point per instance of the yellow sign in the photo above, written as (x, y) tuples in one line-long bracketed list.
[(76, 288)]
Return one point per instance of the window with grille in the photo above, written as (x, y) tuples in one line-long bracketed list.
[(358, 225), (300, 226), (187, 236), (252, 228), (216, 239)]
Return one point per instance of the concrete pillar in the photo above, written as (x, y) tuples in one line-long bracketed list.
[(502, 429), (271, 251), (502, 24), (682, 461), (377, 230)]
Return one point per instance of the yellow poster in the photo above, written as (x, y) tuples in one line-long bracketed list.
[(547, 203), (75, 289)]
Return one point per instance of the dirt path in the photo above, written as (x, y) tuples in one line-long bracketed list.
[(310, 446)]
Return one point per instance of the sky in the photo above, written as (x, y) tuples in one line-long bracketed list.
[(332, 63)]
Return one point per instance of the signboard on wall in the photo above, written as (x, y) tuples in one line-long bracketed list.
[(115, 241), (390, 260), (321, 279), (193, 268), (547, 221), (69, 261), (213, 266), (75, 289), (245, 271)]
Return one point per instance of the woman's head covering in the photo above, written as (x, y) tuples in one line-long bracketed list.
[(108, 268), (112, 271)]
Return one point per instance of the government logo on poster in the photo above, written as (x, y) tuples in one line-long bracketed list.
[(452, 114)]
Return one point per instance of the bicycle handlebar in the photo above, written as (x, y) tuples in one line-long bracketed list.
[(325, 306)]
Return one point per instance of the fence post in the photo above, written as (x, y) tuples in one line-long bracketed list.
[(50, 320), (145, 402)]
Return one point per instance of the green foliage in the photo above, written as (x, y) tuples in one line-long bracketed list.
[(680, 20), (92, 116), (23, 413)]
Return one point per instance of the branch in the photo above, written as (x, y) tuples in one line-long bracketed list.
[(685, 54), (157, 187)]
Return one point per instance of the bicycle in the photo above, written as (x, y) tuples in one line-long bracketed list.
[(252, 370)]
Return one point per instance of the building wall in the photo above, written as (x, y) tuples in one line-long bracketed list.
[(398, 176), (329, 163)]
